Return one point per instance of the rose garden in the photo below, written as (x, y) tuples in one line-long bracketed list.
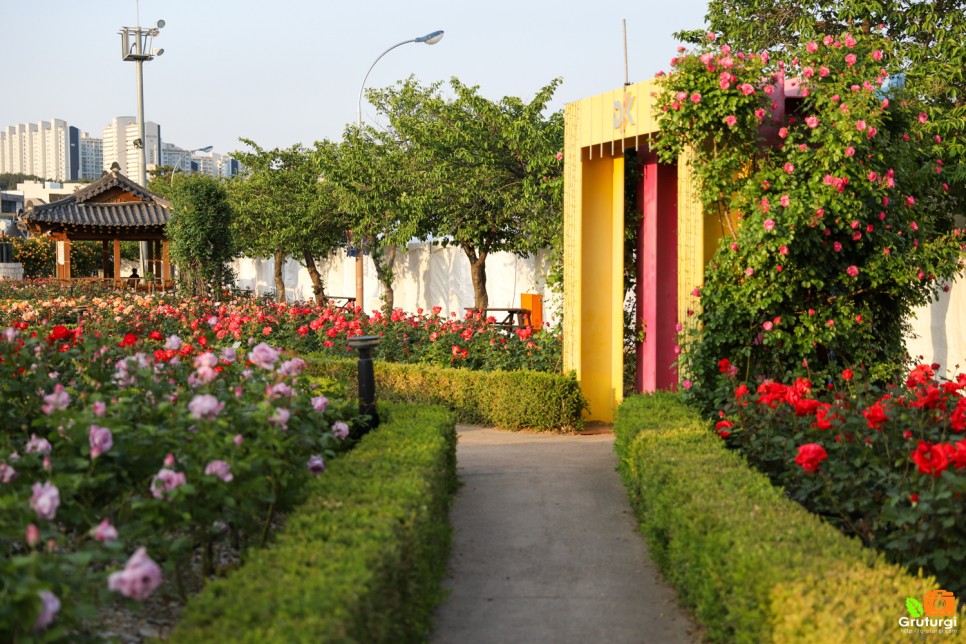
[(165, 445)]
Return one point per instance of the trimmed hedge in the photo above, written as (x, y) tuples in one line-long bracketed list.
[(506, 399), (753, 565), (362, 560)]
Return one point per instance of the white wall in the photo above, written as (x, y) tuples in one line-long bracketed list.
[(939, 331), (426, 276)]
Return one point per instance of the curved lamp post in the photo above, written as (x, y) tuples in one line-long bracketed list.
[(429, 39), (207, 148)]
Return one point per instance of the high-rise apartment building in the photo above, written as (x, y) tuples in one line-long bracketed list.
[(115, 143), (91, 154), (47, 149)]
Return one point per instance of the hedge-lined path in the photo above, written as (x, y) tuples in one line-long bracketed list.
[(545, 548)]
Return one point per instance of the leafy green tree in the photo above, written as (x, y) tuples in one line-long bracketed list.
[(202, 245), (485, 174), (842, 226), (284, 210), (372, 176), (9, 181)]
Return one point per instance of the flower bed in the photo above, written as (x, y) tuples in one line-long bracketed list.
[(887, 465), (469, 342), (124, 456), (361, 561), (753, 565)]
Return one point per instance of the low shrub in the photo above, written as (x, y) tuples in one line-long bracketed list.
[(361, 560), (506, 399), (753, 565)]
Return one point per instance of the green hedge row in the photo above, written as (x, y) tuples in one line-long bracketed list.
[(506, 399), (752, 565), (362, 560)]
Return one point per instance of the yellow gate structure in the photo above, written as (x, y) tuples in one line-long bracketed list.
[(674, 245)]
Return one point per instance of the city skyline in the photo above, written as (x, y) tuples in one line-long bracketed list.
[(291, 73)]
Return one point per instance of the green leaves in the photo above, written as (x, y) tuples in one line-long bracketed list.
[(914, 606)]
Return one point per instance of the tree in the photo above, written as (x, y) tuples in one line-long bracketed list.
[(486, 174), (9, 181), (200, 232), (284, 210), (843, 226), (372, 177)]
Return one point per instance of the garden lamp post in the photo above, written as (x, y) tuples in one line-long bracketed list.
[(429, 39), (364, 344)]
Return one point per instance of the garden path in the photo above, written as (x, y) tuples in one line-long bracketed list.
[(545, 548)]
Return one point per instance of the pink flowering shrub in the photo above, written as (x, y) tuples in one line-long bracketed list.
[(135, 440), (887, 465), (837, 216)]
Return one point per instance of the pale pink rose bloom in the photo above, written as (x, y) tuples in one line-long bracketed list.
[(315, 465), (37, 445), (768, 326), (769, 225), (105, 532), (7, 473), (45, 500), (99, 408), (140, 577), (292, 367), (279, 390), (168, 460), (320, 403), (10, 334), (173, 343), (263, 356), (238, 440), (205, 407), (49, 606), (221, 469), (100, 439), (811, 47), (280, 417), (340, 430), (208, 359), (730, 120), (56, 401), (165, 481), (811, 121)]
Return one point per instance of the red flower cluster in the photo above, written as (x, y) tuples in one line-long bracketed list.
[(810, 456), (935, 458)]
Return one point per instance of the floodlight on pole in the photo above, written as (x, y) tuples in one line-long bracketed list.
[(430, 39)]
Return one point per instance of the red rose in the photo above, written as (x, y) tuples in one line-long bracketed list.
[(810, 456)]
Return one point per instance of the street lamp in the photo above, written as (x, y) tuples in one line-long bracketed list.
[(187, 154), (429, 39)]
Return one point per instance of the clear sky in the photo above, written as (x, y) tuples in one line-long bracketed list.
[(282, 72)]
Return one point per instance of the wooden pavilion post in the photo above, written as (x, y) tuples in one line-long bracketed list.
[(117, 258)]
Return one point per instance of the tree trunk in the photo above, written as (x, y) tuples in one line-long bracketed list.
[(318, 287), (384, 261), (279, 282), (478, 273)]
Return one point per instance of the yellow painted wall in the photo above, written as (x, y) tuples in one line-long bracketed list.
[(597, 131)]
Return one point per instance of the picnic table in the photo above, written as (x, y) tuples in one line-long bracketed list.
[(508, 318)]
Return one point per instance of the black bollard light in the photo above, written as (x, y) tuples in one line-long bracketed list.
[(364, 344)]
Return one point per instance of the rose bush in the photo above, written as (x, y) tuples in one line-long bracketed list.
[(137, 442), (885, 464), (837, 216)]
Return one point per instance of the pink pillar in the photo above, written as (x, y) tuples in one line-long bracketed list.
[(657, 275)]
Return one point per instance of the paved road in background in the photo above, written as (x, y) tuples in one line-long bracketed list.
[(545, 548)]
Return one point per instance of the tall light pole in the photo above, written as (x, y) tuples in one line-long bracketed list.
[(139, 51), (187, 154), (429, 39)]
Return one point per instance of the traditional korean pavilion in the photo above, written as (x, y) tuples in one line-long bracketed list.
[(112, 209)]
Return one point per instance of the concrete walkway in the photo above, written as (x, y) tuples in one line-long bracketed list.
[(545, 548)]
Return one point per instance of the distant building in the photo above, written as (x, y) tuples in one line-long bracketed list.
[(91, 157), (114, 145), (47, 149)]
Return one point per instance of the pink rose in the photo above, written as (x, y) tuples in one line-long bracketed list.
[(205, 407), (221, 469), (850, 59), (49, 606), (340, 430), (923, 117), (315, 465), (788, 168), (320, 403), (769, 225), (280, 417), (696, 98), (853, 271), (811, 121), (105, 532), (768, 325), (45, 500), (811, 47), (785, 201), (730, 120), (56, 401), (37, 445), (292, 367), (263, 356), (140, 577), (166, 481), (100, 439)]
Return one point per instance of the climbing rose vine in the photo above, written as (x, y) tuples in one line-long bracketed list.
[(828, 184)]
